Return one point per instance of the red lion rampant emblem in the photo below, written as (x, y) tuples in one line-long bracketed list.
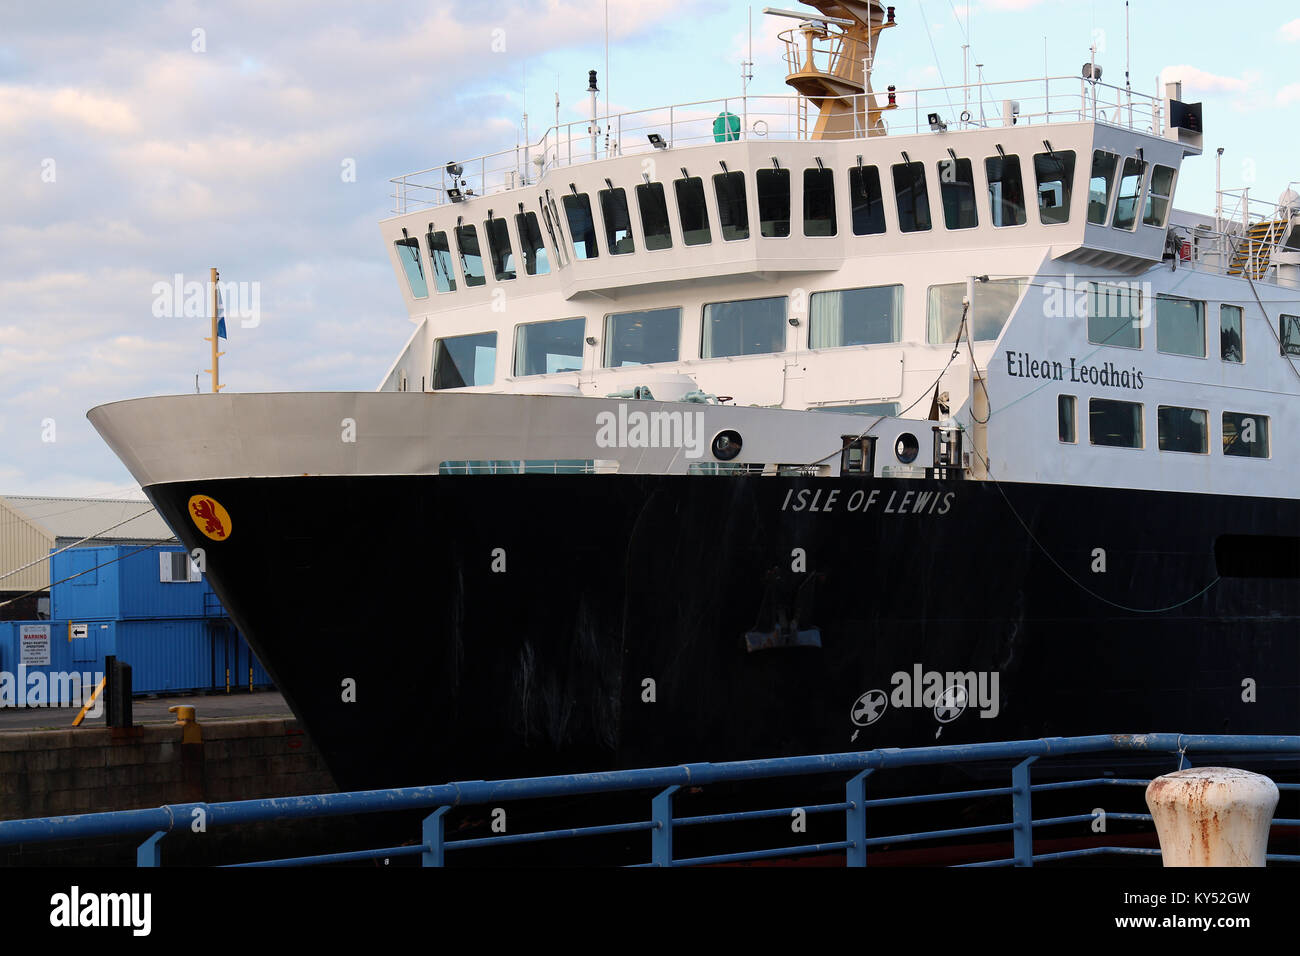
[(204, 511)]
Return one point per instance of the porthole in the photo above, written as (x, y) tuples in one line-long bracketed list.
[(906, 448), (727, 445)]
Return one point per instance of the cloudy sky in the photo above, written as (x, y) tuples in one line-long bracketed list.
[(144, 139)]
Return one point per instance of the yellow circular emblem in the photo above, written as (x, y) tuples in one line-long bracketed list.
[(209, 517)]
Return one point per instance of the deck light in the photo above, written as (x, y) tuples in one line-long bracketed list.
[(454, 170), (591, 340), (454, 194), (657, 141), (937, 125), (1091, 71)]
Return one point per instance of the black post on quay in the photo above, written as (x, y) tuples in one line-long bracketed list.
[(117, 692)]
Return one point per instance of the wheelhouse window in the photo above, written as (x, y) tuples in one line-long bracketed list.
[(503, 257), (1115, 424), (1100, 184), (1290, 334), (464, 360), (1115, 315), (913, 197), (444, 273), (994, 302), (582, 228), (957, 190), (1245, 435), (1183, 429), (866, 200), (1130, 192), (545, 348), (748, 327), (773, 202), (1180, 326), (471, 260), (618, 222), (536, 262), (733, 212), (1006, 190), (1067, 428), (1054, 174), (870, 316), (654, 216), (408, 253), (1231, 346), (694, 213), (642, 338), (818, 202), (1159, 195)]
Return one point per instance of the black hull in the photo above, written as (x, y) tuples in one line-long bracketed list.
[(465, 672)]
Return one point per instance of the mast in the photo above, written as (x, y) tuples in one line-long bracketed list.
[(216, 356)]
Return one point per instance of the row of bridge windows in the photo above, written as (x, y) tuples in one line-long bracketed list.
[(614, 233), (837, 319)]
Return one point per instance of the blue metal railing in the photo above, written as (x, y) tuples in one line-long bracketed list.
[(666, 781)]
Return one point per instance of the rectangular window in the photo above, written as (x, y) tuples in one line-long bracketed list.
[(503, 256), (1231, 346), (749, 327), (867, 201), (1006, 190), (465, 360), (1116, 424), (913, 198), (993, 305), (471, 260), (176, 567), (618, 222), (1180, 326), (1130, 192), (887, 409), (642, 338), (1159, 196), (444, 273), (773, 202), (856, 317), (1290, 334), (654, 216), (1245, 435), (1115, 315), (957, 190), (1054, 174), (545, 348), (536, 262), (1067, 428), (1099, 185), (582, 228), (408, 251), (733, 212), (818, 202), (695, 215), (1183, 429)]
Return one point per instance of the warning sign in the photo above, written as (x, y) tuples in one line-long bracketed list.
[(34, 640)]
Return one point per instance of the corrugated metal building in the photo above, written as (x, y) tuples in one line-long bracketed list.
[(31, 527), (151, 608)]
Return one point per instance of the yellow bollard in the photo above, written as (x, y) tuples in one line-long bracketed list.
[(192, 732)]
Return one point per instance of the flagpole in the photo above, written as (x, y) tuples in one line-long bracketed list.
[(216, 356)]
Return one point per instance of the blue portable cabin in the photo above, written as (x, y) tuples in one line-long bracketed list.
[(148, 606)]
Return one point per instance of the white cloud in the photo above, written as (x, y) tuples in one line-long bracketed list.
[(1199, 82), (1288, 94), (1291, 31)]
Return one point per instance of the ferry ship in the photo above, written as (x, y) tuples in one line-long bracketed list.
[(776, 425)]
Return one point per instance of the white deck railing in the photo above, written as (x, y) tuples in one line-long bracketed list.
[(1060, 99)]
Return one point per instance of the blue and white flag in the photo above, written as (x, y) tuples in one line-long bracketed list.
[(221, 316)]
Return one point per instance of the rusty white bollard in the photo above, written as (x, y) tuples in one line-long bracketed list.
[(1212, 816)]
